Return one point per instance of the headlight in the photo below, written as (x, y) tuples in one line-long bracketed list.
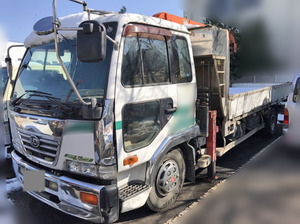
[(82, 168)]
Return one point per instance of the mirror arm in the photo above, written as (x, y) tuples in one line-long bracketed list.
[(116, 44), (69, 28), (56, 40)]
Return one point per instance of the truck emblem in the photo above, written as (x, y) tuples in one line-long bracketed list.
[(34, 141)]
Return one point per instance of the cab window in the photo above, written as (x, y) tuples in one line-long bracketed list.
[(180, 60), (154, 56), (145, 60), (141, 124)]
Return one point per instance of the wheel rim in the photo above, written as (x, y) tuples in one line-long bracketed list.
[(167, 177)]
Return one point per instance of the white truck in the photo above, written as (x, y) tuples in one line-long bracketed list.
[(113, 109), (292, 116), (16, 52)]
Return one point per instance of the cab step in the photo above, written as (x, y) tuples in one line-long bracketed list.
[(132, 190)]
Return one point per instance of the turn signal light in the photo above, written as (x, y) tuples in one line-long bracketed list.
[(89, 198), (130, 160)]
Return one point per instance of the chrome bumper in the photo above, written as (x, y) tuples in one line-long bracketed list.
[(67, 197)]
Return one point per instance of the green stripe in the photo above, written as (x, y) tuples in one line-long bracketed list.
[(183, 118), (85, 127), (118, 125)]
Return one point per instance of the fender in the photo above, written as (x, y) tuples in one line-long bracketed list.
[(167, 145)]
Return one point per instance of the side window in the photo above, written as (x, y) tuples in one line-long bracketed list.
[(131, 66), (296, 91), (155, 59), (145, 60), (180, 60), (141, 124)]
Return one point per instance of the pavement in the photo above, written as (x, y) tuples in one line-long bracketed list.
[(264, 191)]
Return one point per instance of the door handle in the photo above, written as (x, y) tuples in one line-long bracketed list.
[(170, 110)]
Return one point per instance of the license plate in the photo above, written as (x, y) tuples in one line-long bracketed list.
[(33, 180)]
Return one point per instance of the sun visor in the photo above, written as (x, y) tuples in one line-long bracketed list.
[(133, 30)]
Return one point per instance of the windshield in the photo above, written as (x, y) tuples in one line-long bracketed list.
[(41, 71), (4, 78)]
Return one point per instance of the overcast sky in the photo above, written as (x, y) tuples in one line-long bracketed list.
[(17, 17)]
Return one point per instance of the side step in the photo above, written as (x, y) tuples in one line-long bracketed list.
[(132, 190)]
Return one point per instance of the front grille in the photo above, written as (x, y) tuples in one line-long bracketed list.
[(47, 149)]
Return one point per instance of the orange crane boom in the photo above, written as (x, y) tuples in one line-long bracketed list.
[(176, 19)]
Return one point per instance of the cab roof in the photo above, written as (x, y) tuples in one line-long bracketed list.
[(74, 20)]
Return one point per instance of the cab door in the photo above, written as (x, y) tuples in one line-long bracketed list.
[(145, 99)]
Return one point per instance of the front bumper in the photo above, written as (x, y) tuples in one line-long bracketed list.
[(67, 196)]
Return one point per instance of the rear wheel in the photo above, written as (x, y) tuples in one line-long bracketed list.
[(271, 122), (168, 181)]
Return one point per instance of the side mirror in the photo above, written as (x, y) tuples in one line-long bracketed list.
[(91, 42)]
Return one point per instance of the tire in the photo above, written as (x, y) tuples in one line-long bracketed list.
[(271, 122), (168, 181)]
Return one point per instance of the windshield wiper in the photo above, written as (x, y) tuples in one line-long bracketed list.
[(17, 100), (40, 92), (60, 111), (51, 98)]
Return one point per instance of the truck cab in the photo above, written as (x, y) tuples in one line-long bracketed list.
[(97, 161), (110, 111)]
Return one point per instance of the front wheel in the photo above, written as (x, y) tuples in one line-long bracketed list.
[(168, 181)]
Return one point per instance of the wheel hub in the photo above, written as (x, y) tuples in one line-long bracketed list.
[(167, 178)]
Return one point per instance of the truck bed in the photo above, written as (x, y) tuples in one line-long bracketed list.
[(245, 98)]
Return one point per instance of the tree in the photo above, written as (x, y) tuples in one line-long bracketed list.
[(123, 9), (256, 56)]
